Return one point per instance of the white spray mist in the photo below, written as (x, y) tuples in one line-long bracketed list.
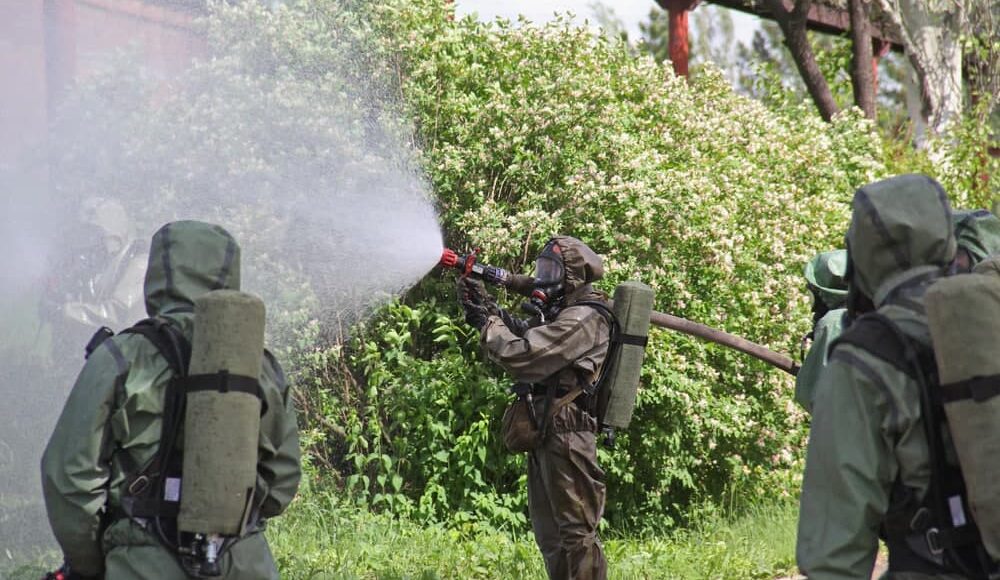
[(310, 167)]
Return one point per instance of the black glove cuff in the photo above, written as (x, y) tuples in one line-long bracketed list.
[(476, 319)]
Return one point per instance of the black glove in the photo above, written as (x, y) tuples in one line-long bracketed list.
[(476, 301), (516, 325)]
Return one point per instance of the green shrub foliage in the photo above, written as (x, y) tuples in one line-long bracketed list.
[(707, 196), (523, 132)]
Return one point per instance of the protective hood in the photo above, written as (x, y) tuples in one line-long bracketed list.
[(901, 227), (186, 260), (582, 266), (108, 215), (825, 275), (978, 232)]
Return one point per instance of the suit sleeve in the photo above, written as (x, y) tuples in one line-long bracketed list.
[(850, 467), (75, 468), (544, 350), (279, 471)]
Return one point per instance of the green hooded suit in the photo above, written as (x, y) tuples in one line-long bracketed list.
[(867, 448), (112, 419), (566, 489), (977, 233)]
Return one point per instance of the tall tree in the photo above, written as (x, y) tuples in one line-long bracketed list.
[(931, 34), (862, 75), (714, 39), (655, 33), (793, 25), (981, 61), (608, 21)]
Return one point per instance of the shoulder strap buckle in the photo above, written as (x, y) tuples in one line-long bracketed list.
[(921, 519), (139, 485), (931, 535)]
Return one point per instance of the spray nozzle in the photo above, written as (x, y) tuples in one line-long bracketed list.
[(465, 264), (449, 259), (468, 265)]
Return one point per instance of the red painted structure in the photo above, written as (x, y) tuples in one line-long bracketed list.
[(821, 18), (677, 43), (47, 45)]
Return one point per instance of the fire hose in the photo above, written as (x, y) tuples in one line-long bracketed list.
[(468, 265)]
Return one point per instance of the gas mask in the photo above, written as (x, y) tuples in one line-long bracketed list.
[(549, 278)]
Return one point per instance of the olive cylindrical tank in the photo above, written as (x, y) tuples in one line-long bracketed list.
[(221, 425), (963, 313), (633, 303)]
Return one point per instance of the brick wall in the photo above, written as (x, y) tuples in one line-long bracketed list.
[(46, 45)]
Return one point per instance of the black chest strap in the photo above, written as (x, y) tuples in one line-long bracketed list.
[(145, 491), (167, 339)]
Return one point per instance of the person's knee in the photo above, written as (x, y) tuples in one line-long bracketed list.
[(577, 540)]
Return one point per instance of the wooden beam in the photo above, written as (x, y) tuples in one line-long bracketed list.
[(880, 48), (821, 18)]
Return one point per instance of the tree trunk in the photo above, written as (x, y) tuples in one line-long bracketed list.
[(862, 76), (930, 33), (793, 25)]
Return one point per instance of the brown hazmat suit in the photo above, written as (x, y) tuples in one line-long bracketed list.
[(566, 489)]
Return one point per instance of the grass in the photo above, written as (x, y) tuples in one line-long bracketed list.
[(27, 565), (758, 545), (323, 537)]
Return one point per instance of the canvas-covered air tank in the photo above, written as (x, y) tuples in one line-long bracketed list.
[(633, 303), (222, 418), (963, 313)]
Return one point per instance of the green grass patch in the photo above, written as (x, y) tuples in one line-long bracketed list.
[(323, 537), (757, 545)]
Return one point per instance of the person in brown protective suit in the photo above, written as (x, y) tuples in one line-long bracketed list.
[(557, 356)]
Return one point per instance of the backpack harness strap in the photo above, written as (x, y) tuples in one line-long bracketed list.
[(150, 490), (616, 339), (923, 535), (167, 339), (146, 492), (103, 333), (873, 334), (551, 406)]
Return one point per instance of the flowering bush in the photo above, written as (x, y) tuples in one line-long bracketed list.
[(706, 196), (522, 132)]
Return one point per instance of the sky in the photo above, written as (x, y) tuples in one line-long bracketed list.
[(630, 12)]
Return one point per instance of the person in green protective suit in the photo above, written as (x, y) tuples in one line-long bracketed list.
[(868, 464), (112, 421), (825, 280), (559, 352), (113, 294), (977, 233)]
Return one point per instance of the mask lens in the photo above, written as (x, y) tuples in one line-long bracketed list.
[(548, 270)]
